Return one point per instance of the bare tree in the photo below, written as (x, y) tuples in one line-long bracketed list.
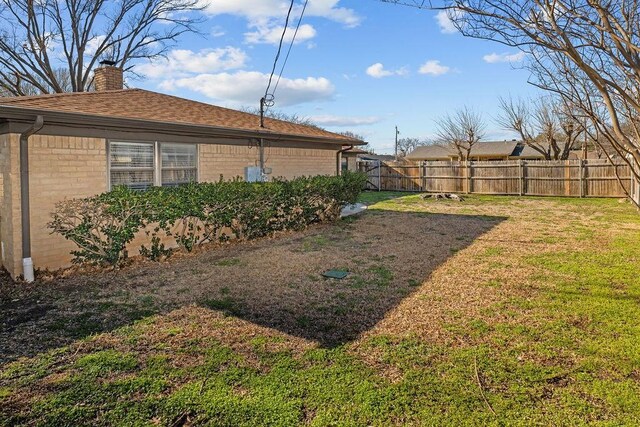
[(407, 145), (351, 134), (585, 51), (460, 131), (366, 147), (49, 46), (544, 124)]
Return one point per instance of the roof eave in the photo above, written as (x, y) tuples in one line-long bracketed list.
[(27, 115)]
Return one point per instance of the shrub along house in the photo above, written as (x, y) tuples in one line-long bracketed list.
[(55, 147)]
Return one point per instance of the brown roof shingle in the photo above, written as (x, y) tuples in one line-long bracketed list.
[(152, 106), (489, 148)]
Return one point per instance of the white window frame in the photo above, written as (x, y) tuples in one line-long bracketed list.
[(157, 159), (160, 169)]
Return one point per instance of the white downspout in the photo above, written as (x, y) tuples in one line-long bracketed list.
[(27, 262)]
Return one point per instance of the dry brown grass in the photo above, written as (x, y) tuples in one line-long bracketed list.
[(274, 282)]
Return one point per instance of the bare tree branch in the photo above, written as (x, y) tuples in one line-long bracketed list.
[(407, 145), (587, 52), (544, 124), (460, 131), (49, 46)]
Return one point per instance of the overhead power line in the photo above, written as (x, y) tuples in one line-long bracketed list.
[(275, 61), (293, 40)]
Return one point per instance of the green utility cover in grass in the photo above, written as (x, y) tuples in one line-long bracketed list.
[(335, 274)]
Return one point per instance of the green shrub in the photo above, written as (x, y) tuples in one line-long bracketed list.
[(102, 226)]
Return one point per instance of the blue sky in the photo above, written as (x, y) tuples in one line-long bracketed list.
[(358, 65)]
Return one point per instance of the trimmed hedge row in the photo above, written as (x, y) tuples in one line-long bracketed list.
[(102, 226)]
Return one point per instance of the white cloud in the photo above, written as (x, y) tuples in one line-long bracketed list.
[(434, 68), (444, 21), (259, 9), (341, 121), (182, 62), (328, 9), (494, 58), (93, 45), (246, 87), (271, 35), (217, 31), (378, 71)]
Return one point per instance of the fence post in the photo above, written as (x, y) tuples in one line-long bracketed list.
[(582, 188), (521, 173), (468, 169)]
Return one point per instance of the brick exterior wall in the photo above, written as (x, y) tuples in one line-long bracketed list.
[(61, 167), (10, 208), (68, 167), (230, 161)]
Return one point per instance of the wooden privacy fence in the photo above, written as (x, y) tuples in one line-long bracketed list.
[(574, 178)]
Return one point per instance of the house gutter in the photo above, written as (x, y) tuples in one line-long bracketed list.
[(27, 263), (92, 121), (338, 158)]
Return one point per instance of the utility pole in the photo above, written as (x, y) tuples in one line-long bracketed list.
[(261, 140), (397, 133)]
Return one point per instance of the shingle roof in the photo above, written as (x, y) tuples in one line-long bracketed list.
[(489, 148), (152, 106), (493, 148), (381, 157), (435, 152), (527, 152)]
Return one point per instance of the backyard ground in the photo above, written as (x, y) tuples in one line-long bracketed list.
[(495, 310)]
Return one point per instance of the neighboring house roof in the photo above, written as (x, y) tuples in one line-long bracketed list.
[(524, 151), (139, 104), (381, 157), (480, 149), (431, 152), (493, 148), (354, 151)]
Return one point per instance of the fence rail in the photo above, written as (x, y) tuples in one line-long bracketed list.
[(571, 178)]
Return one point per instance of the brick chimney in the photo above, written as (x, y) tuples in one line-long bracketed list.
[(108, 77)]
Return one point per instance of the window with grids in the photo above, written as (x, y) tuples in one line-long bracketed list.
[(178, 164), (131, 164), (140, 165)]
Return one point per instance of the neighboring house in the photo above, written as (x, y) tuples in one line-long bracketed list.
[(350, 158), (495, 150), (81, 144), (491, 150), (380, 157)]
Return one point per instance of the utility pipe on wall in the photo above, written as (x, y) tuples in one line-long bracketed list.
[(27, 263), (339, 158)]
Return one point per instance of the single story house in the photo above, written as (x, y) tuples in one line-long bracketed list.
[(71, 145), (486, 151), (350, 158), (491, 150)]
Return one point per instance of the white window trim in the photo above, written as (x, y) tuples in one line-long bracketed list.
[(157, 159)]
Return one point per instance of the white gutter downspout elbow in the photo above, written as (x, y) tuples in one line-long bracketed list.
[(27, 263)]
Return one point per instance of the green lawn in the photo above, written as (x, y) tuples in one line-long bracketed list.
[(535, 321)]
